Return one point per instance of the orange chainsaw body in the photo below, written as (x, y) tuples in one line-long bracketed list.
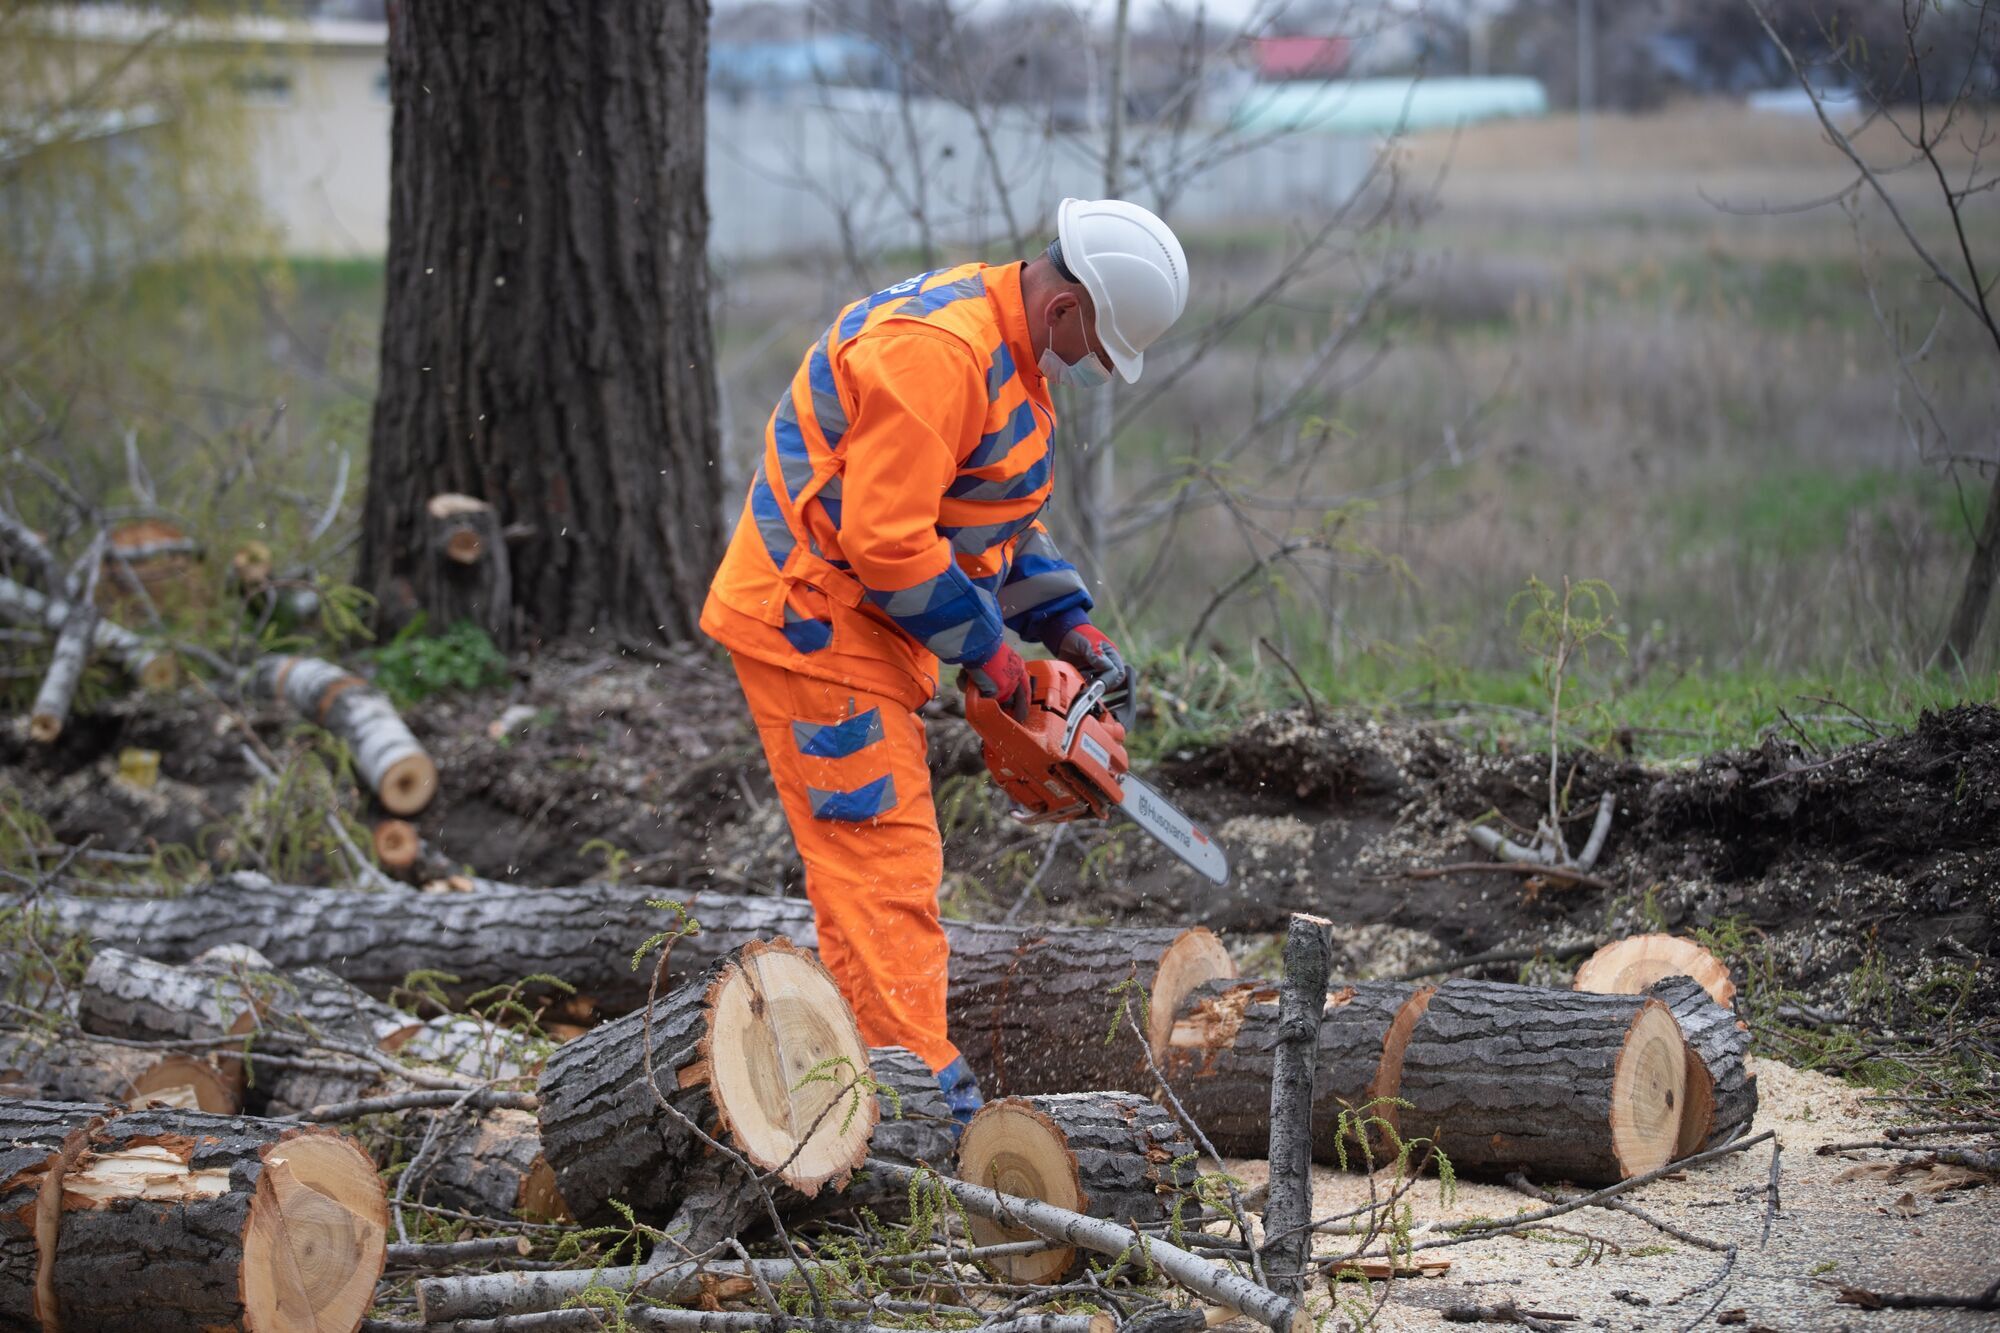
[(1051, 782)]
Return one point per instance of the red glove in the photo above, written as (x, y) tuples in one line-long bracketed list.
[(1085, 648), (1003, 676)]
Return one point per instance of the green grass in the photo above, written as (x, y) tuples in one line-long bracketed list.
[(1795, 510)]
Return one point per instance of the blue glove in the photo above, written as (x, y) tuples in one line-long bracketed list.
[(961, 1090)]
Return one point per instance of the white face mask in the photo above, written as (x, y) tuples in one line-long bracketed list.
[(1085, 373)]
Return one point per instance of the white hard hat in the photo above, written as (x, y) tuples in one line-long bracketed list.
[(1134, 269)]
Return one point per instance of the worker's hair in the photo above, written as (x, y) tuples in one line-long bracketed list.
[(1056, 257)]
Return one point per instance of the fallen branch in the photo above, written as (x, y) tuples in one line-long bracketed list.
[(1546, 852), (1505, 1313), (71, 652), (482, 1100), (1213, 1283), (154, 668), (447, 1254), (1897, 1300)]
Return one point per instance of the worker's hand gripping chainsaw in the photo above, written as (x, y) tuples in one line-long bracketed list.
[(1067, 761)]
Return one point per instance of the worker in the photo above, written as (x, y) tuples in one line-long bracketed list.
[(893, 522)]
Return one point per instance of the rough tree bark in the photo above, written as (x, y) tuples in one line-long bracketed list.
[(38, 1141), (545, 335), (1301, 1003), (1722, 1087)]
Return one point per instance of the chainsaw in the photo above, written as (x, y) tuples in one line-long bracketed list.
[(1067, 761)]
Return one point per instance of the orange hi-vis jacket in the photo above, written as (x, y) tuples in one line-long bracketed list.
[(892, 521)]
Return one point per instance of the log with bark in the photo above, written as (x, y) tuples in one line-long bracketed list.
[(176, 1220), (397, 846), (1218, 1060), (1560, 1084), (759, 1051), (1117, 1156), (387, 757), (1302, 998), (152, 666), (1029, 1006), (79, 1069), (67, 660), (1722, 1085), (913, 1127), (493, 1166), (1630, 965)]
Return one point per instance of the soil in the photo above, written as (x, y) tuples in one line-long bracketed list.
[(1880, 861)]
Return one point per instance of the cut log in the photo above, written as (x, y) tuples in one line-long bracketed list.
[(1218, 1059), (914, 1127), (397, 845), (1117, 1156), (1560, 1084), (759, 1051), (151, 564), (1722, 1084), (174, 1220), (153, 667), (38, 1140), (386, 755), (1029, 1006), (1630, 965), (78, 1069), (66, 662), (493, 1166), (467, 576)]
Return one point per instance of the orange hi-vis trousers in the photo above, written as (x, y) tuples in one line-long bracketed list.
[(852, 774)]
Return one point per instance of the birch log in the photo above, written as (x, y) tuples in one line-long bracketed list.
[(386, 755), (153, 667), (66, 662)]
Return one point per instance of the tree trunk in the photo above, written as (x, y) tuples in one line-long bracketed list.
[(545, 333), (1722, 1087), (914, 1128), (386, 755), (1218, 1059), (1975, 595), (756, 1051), (1029, 1006), (1117, 1156), (174, 1220), (1560, 1084)]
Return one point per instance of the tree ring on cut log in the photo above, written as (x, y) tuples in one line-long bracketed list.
[(1630, 965), (316, 1239), (409, 783), (1649, 1091), (1013, 1148), (784, 1055), (1197, 956), (396, 844), (188, 1083)]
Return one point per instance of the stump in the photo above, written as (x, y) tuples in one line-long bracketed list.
[(1561, 1084), (1218, 1059), (757, 1051), (1630, 965), (1108, 1155), (386, 756), (1722, 1085), (176, 1220), (467, 575)]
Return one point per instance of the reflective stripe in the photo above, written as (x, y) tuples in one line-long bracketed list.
[(832, 417), (997, 445), (857, 314), (999, 372), (937, 298), (1038, 544), (770, 516), (794, 461), (852, 807), (1004, 488), (808, 636), (949, 614), (837, 740), (1025, 594)]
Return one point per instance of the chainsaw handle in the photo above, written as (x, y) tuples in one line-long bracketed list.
[(1124, 705)]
